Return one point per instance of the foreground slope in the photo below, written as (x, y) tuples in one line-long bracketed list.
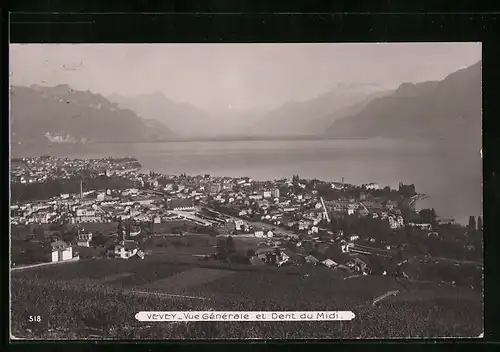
[(101, 298)]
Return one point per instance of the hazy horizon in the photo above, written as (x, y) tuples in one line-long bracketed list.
[(235, 76)]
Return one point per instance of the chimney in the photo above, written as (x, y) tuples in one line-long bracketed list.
[(81, 189)]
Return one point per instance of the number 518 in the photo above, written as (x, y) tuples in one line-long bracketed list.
[(34, 319)]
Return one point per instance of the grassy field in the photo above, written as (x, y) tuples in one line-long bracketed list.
[(106, 305), (182, 281)]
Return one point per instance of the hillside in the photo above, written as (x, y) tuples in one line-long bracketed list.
[(57, 114), (449, 109), (314, 116), (102, 296)]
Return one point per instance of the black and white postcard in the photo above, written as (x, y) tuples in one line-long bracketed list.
[(246, 191)]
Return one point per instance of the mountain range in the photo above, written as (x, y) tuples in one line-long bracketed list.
[(63, 114), (314, 116), (293, 118), (450, 108)]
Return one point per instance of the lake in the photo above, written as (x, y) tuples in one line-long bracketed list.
[(450, 175)]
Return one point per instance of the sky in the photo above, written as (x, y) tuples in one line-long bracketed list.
[(237, 76)]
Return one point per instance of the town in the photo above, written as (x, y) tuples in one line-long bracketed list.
[(108, 208)]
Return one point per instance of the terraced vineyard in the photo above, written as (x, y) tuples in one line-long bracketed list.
[(107, 304)]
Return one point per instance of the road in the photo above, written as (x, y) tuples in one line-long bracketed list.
[(447, 260)]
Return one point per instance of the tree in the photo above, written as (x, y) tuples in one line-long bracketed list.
[(250, 253), (98, 240), (120, 227), (291, 245), (230, 245), (479, 223), (472, 223), (428, 215)]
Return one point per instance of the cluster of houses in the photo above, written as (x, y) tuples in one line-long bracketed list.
[(274, 202), (284, 206), (41, 169), (285, 256), (64, 251), (99, 207)]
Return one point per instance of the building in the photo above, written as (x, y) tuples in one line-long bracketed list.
[(267, 194), (84, 239), (180, 205), (372, 186), (337, 185), (126, 249), (61, 251), (391, 204), (259, 233), (358, 265), (373, 204), (238, 224), (329, 263), (276, 193), (427, 227), (311, 260), (396, 222)]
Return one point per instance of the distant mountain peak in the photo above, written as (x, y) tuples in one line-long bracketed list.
[(61, 110), (448, 108)]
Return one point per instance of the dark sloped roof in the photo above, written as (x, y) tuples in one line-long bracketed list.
[(59, 245), (180, 203), (130, 245)]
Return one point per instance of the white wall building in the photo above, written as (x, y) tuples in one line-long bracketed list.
[(61, 251), (372, 186), (84, 239), (259, 233)]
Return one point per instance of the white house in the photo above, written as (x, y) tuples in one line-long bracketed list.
[(396, 221), (282, 259), (270, 234), (329, 263), (238, 224), (126, 249), (337, 185), (346, 247), (61, 251), (259, 233)]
